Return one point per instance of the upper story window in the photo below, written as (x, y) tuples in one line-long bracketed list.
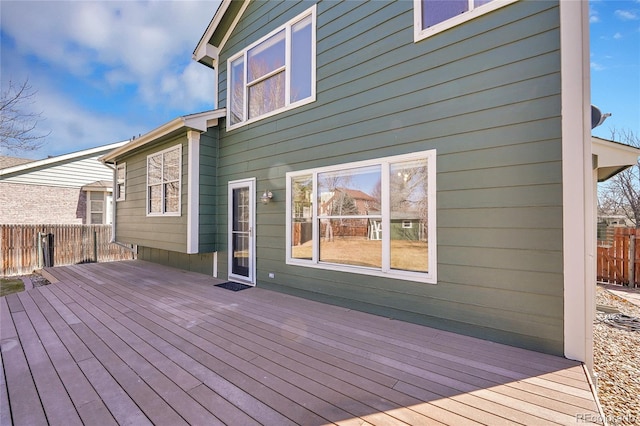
[(434, 16), (274, 74), (164, 170), (121, 173)]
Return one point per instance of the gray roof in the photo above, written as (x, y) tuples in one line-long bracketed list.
[(6, 161)]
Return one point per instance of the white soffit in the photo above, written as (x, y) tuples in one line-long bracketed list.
[(613, 157)]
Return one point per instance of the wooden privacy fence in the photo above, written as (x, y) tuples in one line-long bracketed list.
[(619, 257), (24, 248)]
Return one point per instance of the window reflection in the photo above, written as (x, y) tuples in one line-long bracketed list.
[(408, 198), (370, 217), (301, 220), (274, 73), (348, 211)]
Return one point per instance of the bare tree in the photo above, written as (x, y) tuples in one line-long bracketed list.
[(17, 123), (620, 195)]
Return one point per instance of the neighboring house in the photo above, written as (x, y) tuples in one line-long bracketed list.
[(6, 161), (616, 221), (73, 188), (470, 125)]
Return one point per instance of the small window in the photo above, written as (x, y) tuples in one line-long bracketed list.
[(434, 16), (374, 217), (121, 172), (274, 74), (164, 170), (95, 208)]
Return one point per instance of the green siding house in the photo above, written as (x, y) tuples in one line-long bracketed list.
[(428, 164)]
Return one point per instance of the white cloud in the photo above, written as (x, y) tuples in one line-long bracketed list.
[(134, 50), (617, 36), (597, 67), (627, 15), (192, 87), (135, 43)]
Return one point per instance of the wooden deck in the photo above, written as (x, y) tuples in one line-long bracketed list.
[(137, 343)]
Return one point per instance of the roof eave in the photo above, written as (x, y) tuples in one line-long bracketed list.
[(60, 158), (200, 122), (204, 52), (613, 157), (207, 53)]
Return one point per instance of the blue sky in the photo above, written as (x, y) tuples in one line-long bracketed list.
[(615, 64), (105, 71)]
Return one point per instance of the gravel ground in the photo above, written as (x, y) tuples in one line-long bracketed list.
[(38, 280), (617, 360)]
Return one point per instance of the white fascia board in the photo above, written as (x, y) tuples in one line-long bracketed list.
[(611, 154), (578, 201), (202, 53), (233, 24), (61, 158), (200, 121), (206, 53)]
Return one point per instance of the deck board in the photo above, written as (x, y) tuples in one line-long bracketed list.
[(137, 343)]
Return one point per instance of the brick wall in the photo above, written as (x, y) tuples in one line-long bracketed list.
[(36, 204)]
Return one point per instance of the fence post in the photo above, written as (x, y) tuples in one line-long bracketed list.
[(40, 260), (632, 260), (95, 246)]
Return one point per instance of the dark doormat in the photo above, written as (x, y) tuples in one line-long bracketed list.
[(230, 285)]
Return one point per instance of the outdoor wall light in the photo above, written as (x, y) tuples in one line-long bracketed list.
[(266, 197)]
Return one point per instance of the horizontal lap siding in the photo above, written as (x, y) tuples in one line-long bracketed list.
[(73, 173), (486, 95), (133, 225), (208, 182)]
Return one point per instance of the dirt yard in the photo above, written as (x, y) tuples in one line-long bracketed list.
[(405, 255)]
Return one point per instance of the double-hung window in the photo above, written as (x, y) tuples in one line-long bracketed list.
[(274, 74), (434, 16), (121, 173), (164, 170), (95, 207), (375, 217)]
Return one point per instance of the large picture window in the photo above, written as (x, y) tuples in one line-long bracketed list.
[(274, 74), (164, 170), (373, 217), (434, 16)]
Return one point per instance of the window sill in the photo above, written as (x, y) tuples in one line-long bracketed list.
[(421, 34), (270, 114), (427, 278), (163, 214)]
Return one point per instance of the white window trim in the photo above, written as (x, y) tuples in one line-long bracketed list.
[(429, 277), (193, 191), (420, 34), (118, 195), (104, 207), (287, 27), (179, 212)]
